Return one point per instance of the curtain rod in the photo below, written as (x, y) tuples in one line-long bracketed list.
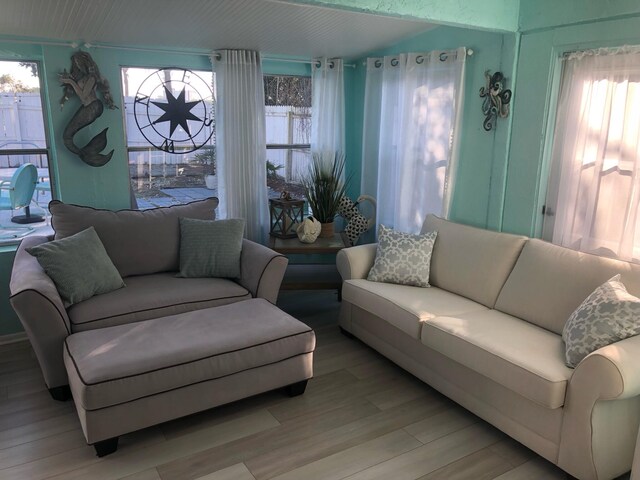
[(419, 59), (292, 60), (152, 50)]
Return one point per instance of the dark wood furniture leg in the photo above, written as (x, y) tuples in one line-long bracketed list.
[(296, 389), (61, 394), (347, 334), (106, 447)]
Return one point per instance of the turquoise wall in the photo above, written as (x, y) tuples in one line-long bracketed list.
[(479, 190), (487, 15), (534, 98), (541, 14)]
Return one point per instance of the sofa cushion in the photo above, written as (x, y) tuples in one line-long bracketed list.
[(139, 242), (78, 265), (406, 308), (549, 282), (402, 258), (151, 296), (522, 357), (120, 364), (470, 261)]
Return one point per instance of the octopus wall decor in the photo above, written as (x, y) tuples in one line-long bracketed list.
[(84, 80), (496, 99)]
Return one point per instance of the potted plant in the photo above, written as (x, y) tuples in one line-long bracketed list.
[(207, 158), (324, 188)]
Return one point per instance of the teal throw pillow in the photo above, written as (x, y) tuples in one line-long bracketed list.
[(78, 265), (210, 248)]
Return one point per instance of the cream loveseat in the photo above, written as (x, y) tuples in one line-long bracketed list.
[(488, 335), (144, 247)]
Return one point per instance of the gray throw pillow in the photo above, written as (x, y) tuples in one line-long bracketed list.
[(210, 248), (402, 258), (606, 316), (78, 265)]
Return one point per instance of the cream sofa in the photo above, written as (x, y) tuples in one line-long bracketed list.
[(488, 335), (144, 247)]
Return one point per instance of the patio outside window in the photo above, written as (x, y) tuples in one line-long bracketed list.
[(288, 124), (22, 141), (160, 178)]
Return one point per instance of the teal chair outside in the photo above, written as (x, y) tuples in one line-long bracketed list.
[(20, 193)]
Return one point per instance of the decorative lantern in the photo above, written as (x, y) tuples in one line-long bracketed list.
[(285, 214)]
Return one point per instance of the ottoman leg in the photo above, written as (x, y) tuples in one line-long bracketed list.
[(347, 334), (296, 389), (106, 447), (62, 394)]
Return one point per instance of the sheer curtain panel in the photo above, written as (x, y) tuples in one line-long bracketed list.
[(327, 106), (412, 106), (241, 139), (594, 186)]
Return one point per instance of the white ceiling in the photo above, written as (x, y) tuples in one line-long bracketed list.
[(269, 26)]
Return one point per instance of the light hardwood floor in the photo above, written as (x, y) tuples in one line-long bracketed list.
[(360, 418)]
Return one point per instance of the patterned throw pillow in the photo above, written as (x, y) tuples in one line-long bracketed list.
[(608, 315), (402, 258)]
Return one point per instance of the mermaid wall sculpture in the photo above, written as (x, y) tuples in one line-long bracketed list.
[(83, 81)]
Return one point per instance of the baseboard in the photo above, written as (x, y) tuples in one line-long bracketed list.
[(13, 338)]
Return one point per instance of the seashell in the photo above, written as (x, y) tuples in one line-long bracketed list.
[(308, 230)]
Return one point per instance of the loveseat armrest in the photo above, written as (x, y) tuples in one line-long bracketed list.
[(261, 270), (355, 262), (36, 301), (602, 397)]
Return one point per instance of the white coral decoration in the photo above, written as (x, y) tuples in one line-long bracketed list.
[(308, 230)]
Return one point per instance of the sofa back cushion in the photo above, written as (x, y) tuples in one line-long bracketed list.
[(139, 242), (549, 282), (470, 261)]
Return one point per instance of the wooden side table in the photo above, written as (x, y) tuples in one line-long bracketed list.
[(293, 246)]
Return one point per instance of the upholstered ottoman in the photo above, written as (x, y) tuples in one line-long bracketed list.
[(128, 377)]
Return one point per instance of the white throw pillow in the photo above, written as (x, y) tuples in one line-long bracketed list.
[(402, 258), (608, 315)]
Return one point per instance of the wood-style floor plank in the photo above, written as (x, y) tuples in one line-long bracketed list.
[(354, 459), (127, 462), (238, 471), (361, 418), (433, 455), (481, 465), (151, 474), (534, 469)]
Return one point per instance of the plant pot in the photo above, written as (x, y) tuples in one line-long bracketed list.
[(326, 230), (211, 182)]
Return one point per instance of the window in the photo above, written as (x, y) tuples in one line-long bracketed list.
[(22, 141), (170, 161), (593, 196), (288, 127)]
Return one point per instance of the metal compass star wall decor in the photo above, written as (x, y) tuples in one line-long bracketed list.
[(173, 109)]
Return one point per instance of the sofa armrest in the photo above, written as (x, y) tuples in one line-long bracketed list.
[(261, 270), (355, 262), (36, 301), (608, 376)]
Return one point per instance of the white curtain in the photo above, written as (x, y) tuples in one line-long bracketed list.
[(412, 109), (241, 140), (327, 106), (594, 188)]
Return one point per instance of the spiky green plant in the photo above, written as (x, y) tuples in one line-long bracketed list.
[(324, 187)]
